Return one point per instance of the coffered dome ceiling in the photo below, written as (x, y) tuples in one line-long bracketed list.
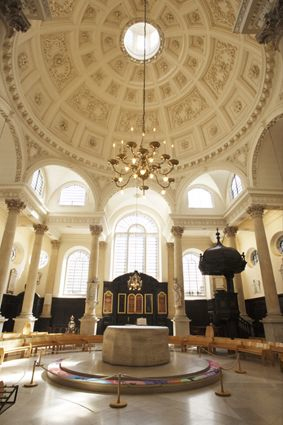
[(79, 91)]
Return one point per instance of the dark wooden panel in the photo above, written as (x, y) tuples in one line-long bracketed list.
[(63, 308)]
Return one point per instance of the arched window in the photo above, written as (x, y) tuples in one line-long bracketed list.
[(194, 281), (236, 186), (136, 246), (75, 282), (73, 195), (199, 198), (37, 182), (43, 259)]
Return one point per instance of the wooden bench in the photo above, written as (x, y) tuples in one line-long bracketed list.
[(23, 350), (198, 341), (177, 340), (254, 348)]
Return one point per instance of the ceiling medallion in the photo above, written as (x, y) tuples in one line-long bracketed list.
[(142, 161)]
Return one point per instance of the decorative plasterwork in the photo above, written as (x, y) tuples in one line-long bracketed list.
[(75, 220), (19, 155), (198, 222), (238, 209), (77, 92)]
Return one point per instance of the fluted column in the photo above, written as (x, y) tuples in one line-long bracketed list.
[(170, 274), (89, 320), (46, 309), (26, 316), (230, 232), (180, 321), (273, 322), (14, 207)]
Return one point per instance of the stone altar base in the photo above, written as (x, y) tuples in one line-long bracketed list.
[(136, 345)]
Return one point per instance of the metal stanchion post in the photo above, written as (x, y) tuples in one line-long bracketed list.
[(222, 393), (32, 383), (118, 403), (239, 370)]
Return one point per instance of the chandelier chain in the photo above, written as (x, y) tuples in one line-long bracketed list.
[(142, 161)]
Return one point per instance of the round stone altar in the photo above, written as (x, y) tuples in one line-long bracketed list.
[(136, 345)]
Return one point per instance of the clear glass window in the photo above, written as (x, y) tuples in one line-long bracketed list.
[(136, 246), (37, 182), (73, 195), (194, 281), (254, 257), (236, 186), (134, 41), (199, 198), (76, 273), (43, 259)]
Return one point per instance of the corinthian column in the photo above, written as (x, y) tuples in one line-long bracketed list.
[(14, 208), (180, 320), (46, 310), (273, 322), (170, 274), (26, 316), (230, 232), (89, 319), (101, 276)]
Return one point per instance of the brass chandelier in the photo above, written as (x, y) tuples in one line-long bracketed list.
[(142, 161)]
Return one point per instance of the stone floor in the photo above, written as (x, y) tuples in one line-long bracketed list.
[(256, 399)]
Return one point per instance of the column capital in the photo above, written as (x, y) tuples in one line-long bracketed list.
[(55, 243), (15, 205), (96, 229), (40, 229), (255, 211), (177, 231), (170, 244), (230, 231)]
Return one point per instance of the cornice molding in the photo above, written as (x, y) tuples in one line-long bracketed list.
[(189, 222), (24, 193), (94, 220)]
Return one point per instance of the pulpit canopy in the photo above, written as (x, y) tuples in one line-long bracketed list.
[(221, 260)]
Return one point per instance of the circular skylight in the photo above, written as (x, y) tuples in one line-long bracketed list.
[(134, 41)]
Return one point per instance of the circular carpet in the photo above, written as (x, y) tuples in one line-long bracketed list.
[(87, 371)]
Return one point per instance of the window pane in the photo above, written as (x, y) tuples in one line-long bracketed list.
[(76, 273), (194, 281), (136, 246), (37, 182), (73, 195), (43, 260), (199, 198), (236, 186)]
